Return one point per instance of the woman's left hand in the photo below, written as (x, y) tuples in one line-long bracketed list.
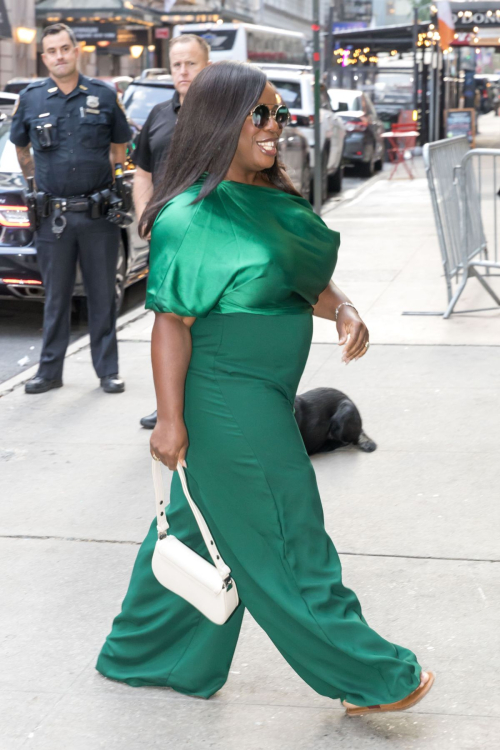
[(353, 333)]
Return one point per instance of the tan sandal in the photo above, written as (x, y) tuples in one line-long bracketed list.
[(401, 705)]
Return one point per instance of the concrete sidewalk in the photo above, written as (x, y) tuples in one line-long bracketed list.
[(416, 523)]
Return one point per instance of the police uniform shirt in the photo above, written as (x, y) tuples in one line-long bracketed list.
[(70, 134), (156, 135)]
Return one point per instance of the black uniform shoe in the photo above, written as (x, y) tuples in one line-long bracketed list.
[(41, 385), (112, 383), (149, 422)]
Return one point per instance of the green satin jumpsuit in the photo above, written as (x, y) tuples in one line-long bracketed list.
[(249, 262)]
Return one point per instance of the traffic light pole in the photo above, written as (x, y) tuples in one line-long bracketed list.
[(317, 128)]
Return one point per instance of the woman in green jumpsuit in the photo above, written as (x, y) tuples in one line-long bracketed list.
[(238, 266)]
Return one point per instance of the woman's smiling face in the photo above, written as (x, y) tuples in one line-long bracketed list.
[(258, 147)]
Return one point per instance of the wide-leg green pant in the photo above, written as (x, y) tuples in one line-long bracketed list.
[(251, 477)]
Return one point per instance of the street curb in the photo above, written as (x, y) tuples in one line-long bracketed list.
[(9, 385)]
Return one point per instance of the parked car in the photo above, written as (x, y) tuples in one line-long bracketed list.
[(392, 91), (19, 273), (364, 144), (295, 155), (16, 85), (143, 94), (152, 73), (295, 84), (7, 102), (120, 83)]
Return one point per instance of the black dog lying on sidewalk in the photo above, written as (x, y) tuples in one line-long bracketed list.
[(328, 419)]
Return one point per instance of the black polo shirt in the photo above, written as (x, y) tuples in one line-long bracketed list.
[(70, 134), (155, 137)]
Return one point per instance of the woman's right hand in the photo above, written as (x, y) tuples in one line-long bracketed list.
[(169, 443)]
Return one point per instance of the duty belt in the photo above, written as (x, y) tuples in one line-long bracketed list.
[(109, 203), (58, 207), (69, 204)]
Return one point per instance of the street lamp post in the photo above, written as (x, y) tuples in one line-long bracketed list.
[(329, 45), (415, 59), (317, 127)]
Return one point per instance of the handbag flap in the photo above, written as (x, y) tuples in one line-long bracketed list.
[(177, 554)]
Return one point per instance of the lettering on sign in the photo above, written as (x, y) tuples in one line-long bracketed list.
[(477, 19)]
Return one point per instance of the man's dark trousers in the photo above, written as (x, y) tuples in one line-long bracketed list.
[(94, 243)]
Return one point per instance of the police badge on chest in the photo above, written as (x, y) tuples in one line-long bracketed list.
[(92, 105)]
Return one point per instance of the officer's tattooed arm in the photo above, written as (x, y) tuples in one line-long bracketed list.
[(117, 154), (26, 160)]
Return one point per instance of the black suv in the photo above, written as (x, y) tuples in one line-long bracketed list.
[(143, 94)]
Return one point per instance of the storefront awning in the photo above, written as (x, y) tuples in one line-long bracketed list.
[(97, 11), (381, 39), (123, 11)]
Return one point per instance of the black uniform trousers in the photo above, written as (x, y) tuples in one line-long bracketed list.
[(94, 243)]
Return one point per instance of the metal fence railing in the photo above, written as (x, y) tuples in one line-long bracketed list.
[(464, 186)]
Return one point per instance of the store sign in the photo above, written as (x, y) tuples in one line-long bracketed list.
[(162, 33), (348, 26), (5, 30), (94, 32), (125, 36), (463, 39), (460, 122), (476, 19)]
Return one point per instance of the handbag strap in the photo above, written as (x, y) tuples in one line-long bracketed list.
[(162, 523)]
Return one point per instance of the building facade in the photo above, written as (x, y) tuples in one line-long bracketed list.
[(390, 12), (116, 28), (17, 51)]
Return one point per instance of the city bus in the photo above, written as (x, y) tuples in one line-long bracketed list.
[(249, 42)]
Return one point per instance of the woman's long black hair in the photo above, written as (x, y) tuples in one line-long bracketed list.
[(207, 133)]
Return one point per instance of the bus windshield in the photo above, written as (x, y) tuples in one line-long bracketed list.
[(220, 40), (249, 43)]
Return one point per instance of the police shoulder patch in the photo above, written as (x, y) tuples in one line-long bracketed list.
[(16, 106)]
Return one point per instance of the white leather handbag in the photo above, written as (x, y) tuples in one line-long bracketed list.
[(207, 587)]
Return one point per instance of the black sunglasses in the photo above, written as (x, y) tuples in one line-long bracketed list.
[(262, 113)]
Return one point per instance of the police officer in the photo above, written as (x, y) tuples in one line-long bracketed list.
[(78, 131), (188, 55)]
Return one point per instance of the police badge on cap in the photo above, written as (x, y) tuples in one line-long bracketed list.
[(92, 102)]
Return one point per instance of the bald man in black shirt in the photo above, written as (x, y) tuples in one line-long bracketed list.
[(188, 55), (155, 137)]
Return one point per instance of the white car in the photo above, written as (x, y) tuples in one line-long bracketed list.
[(295, 84), (7, 102)]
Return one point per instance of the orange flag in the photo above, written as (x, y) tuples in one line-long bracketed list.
[(445, 23)]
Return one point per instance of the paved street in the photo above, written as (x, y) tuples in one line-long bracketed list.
[(21, 330), (416, 523)]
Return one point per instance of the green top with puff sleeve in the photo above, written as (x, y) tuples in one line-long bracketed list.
[(242, 249)]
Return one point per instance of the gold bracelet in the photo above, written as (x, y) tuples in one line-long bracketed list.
[(347, 304)]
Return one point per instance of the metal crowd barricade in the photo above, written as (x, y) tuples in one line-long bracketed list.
[(463, 184)]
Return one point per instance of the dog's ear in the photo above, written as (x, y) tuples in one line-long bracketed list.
[(345, 424)]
